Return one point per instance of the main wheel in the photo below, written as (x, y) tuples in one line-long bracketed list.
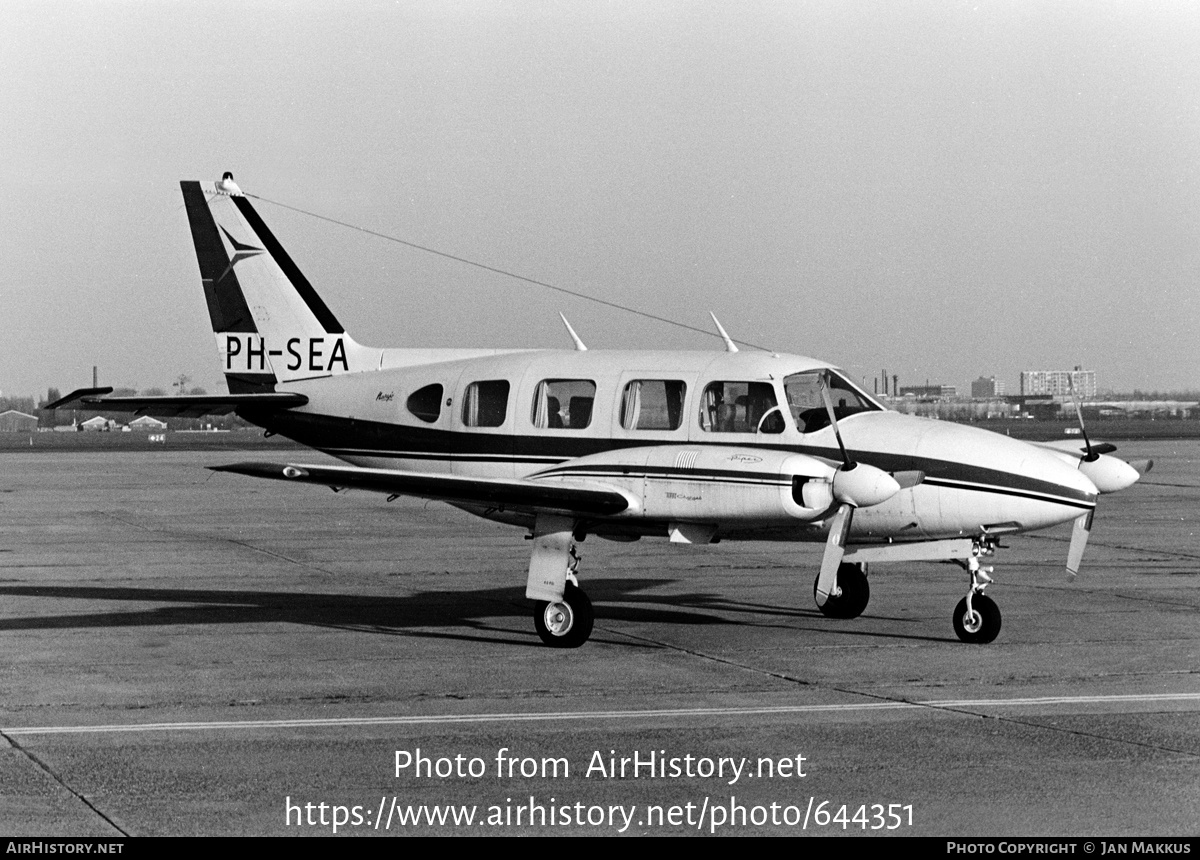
[(856, 593), (567, 623), (982, 624)]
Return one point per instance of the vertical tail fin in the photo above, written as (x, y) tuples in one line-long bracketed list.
[(270, 324)]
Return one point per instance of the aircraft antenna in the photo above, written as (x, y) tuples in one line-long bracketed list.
[(730, 346), (495, 270), (579, 347)]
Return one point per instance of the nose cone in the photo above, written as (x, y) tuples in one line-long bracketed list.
[(974, 479), (1065, 481), (987, 456), (999, 481)]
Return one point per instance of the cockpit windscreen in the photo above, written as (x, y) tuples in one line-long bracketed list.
[(808, 407)]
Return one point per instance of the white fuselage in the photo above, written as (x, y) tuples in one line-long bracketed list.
[(708, 458)]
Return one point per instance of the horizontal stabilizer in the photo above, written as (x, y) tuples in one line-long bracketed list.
[(77, 394), (510, 494), (181, 406)]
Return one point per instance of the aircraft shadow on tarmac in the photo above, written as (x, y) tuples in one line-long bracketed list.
[(620, 599)]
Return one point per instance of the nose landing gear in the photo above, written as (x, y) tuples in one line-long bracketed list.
[(977, 617)]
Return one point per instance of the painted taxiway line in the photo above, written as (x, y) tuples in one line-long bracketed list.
[(444, 719)]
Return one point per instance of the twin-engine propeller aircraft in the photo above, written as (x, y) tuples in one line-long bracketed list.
[(693, 446)]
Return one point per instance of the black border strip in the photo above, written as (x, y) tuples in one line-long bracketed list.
[(290, 270), (227, 309)]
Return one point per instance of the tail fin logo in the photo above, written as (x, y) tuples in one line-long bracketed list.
[(240, 252)]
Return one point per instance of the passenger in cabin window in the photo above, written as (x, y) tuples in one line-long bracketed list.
[(653, 404), (563, 404), (740, 407)]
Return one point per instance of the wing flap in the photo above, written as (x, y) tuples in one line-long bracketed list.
[(514, 494)]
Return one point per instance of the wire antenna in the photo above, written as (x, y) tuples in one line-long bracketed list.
[(495, 270)]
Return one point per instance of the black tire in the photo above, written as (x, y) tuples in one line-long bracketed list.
[(568, 623), (984, 624), (856, 593)]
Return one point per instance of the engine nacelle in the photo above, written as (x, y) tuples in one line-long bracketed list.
[(710, 484), (1109, 474), (862, 485)]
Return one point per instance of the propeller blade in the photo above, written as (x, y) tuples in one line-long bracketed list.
[(1079, 538), (835, 548), (1090, 454), (847, 463)]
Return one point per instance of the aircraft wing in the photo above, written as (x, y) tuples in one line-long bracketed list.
[(510, 494), (1077, 446), (181, 406)]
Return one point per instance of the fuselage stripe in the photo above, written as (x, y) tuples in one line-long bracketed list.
[(1008, 491), (671, 473)]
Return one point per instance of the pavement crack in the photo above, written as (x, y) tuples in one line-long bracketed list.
[(724, 661), (1029, 723), (1128, 547), (967, 712), (234, 541), (55, 777)]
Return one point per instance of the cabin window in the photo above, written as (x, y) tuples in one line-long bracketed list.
[(563, 404), (653, 404), (486, 403), (740, 407), (426, 403), (803, 391)]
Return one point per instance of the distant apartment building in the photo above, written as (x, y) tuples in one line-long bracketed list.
[(1059, 382), (985, 387)]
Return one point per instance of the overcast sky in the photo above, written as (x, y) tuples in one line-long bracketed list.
[(942, 189)]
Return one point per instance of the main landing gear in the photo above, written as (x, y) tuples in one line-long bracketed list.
[(565, 623), (852, 593), (562, 614)]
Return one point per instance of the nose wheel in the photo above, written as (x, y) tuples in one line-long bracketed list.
[(978, 621), (977, 617)]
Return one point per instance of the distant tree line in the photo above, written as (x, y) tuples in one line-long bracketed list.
[(20, 404)]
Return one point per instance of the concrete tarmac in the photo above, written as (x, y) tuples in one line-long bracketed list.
[(200, 653)]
